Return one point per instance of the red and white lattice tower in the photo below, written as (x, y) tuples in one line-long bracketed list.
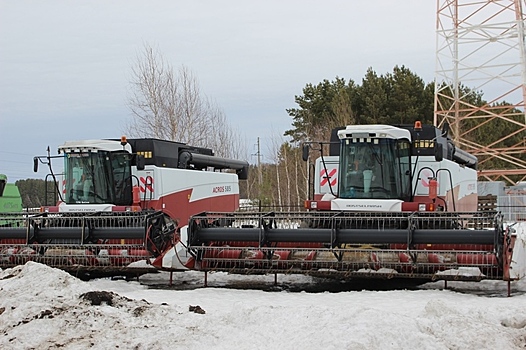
[(480, 45)]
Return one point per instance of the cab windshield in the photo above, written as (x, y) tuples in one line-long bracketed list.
[(98, 178), (375, 168)]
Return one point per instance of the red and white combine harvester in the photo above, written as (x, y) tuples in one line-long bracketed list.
[(121, 203), (390, 202)]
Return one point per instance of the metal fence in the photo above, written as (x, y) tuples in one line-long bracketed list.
[(512, 207)]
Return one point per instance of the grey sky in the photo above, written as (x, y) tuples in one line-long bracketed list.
[(65, 65)]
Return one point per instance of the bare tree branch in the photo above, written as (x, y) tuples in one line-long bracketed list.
[(171, 106)]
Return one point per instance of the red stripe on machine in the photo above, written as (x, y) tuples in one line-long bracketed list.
[(325, 176)]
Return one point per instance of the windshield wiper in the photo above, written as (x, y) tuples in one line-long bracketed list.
[(376, 156)]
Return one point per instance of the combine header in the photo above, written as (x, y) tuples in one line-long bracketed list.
[(409, 245), (120, 205), (390, 202)]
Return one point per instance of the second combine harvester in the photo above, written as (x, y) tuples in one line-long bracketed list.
[(390, 201)]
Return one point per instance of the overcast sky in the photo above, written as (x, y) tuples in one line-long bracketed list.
[(65, 66)]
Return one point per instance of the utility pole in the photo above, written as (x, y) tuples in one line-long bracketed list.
[(260, 175)]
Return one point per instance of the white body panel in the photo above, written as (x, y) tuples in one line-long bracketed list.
[(321, 180), (462, 179), (159, 182)]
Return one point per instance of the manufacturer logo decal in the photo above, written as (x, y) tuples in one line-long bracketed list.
[(222, 189)]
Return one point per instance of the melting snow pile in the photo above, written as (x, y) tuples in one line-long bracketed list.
[(43, 308)]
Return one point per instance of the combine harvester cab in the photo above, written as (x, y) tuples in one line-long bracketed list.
[(121, 205), (391, 202)]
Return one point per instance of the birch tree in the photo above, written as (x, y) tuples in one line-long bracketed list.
[(169, 105)]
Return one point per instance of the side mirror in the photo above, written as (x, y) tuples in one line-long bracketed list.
[(439, 152), (140, 162), (305, 152), (35, 164)]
